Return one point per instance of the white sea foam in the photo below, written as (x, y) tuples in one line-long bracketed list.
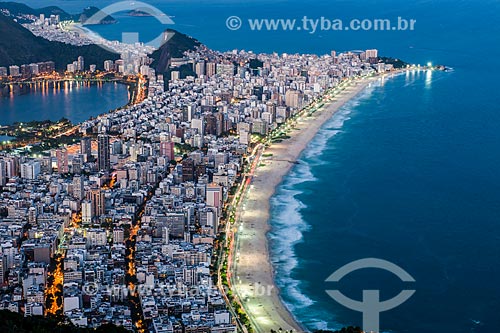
[(288, 228), (332, 127), (287, 222), (323, 325), (301, 173)]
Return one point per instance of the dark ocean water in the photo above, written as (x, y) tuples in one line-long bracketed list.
[(407, 172), (403, 173)]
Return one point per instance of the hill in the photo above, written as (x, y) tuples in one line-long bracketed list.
[(11, 322), (173, 48), (91, 11), (140, 13), (19, 46), (19, 9)]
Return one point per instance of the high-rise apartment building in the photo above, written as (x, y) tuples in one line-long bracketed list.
[(103, 153), (62, 161)]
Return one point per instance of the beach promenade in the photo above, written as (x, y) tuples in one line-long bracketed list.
[(252, 272)]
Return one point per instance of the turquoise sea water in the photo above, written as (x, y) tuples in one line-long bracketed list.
[(407, 172)]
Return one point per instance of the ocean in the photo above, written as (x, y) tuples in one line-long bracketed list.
[(400, 173), (407, 172)]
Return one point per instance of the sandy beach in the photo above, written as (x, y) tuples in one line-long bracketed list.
[(253, 278)]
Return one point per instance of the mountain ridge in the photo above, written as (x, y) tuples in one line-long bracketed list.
[(19, 46), (17, 9), (173, 48)]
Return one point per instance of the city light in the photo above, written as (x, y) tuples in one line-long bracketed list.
[(54, 289), (105, 204)]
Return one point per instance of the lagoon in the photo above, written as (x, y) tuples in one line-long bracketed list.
[(75, 102)]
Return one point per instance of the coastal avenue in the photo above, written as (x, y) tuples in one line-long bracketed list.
[(234, 233), (230, 232), (187, 206), (250, 273), (245, 205), (260, 321)]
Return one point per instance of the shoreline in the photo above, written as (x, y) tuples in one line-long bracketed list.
[(131, 96), (51, 84), (255, 283)]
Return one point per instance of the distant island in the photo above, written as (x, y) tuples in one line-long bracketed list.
[(139, 13), (91, 11)]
